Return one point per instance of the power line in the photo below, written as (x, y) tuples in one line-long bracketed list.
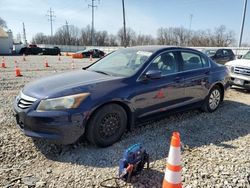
[(93, 6), (243, 22), (51, 19)]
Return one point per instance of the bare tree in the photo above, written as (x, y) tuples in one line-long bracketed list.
[(3, 23), (182, 37), (130, 37), (178, 36), (40, 38), (101, 38), (85, 36), (112, 40), (222, 37), (145, 40)]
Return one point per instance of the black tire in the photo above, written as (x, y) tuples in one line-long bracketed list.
[(213, 100), (107, 125)]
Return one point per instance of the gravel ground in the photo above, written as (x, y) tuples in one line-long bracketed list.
[(215, 153)]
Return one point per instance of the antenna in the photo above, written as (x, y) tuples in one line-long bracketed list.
[(51, 18)]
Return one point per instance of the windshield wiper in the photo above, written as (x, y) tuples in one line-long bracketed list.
[(101, 72)]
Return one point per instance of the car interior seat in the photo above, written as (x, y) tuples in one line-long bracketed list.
[(194, 60), (192, 63), (169, 64)]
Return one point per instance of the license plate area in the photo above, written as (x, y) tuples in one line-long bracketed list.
[(239, 81)]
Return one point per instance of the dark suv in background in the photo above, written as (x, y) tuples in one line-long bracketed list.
[(220, 55)]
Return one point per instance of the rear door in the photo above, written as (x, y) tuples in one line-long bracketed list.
[(196, 69)]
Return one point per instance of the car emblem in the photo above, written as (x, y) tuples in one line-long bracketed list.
[(242, 71)]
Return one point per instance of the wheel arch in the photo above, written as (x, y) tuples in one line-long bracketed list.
[(221, 86), (126, 107)]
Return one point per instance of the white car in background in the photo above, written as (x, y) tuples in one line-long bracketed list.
[(240, 71)]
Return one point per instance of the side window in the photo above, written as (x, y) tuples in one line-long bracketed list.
[(166, 63), (225, 52), (230, 52), (193, 61), (219, 53)]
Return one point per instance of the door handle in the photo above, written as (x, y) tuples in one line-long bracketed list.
[(207, 72), (178, 79)]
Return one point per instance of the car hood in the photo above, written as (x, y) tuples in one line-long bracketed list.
[(239, 62), (64, 84)]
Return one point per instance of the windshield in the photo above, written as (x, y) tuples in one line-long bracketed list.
[(210, 52), (246, 56), (124, 62)]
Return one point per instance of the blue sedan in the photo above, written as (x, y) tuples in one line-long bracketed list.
[(104, 100)]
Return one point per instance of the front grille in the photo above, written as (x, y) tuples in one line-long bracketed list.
[(25, 101), (242, 71)]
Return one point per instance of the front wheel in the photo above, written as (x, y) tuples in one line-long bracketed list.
[(107, 125), (213, 99)]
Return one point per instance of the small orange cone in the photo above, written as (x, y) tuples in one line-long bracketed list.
[(17, 70), (91, 57), (46, 64), (3, 63), (59, 58), (172, 178)]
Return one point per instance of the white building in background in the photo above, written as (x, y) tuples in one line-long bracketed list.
[(6, 41)]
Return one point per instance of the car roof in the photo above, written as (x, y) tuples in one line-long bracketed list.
[(155, 48)]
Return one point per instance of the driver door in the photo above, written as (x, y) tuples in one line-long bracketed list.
[(157, 95)]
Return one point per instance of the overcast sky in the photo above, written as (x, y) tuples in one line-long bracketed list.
[(143, 16)]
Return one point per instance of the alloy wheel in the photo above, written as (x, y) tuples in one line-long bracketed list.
[(214, 99)]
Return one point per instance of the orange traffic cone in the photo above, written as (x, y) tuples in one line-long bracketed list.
[(59, 59), (46, 64), (172, 178), (3, 63), (18, 71), (24, 59), (91, 57)]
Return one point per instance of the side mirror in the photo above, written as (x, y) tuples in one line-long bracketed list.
[(153, 74), (240, 56)]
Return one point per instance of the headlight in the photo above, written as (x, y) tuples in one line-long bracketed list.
[(230, 68), (61, 103)]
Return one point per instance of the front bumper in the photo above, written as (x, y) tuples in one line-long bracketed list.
[(61, 127), (240, 80)]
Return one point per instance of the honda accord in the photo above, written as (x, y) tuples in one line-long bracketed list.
[(107, 98)]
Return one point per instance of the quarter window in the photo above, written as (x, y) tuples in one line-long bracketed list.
[(193, 61)]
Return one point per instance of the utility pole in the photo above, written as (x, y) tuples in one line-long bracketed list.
[(93, 6), (51, 16), (124, 25), (24, 35), (243, 22), (190, 23), (68, 37), (190, 26)]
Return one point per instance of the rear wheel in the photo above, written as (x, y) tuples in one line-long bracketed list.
[(107, 125), (213, 100)]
